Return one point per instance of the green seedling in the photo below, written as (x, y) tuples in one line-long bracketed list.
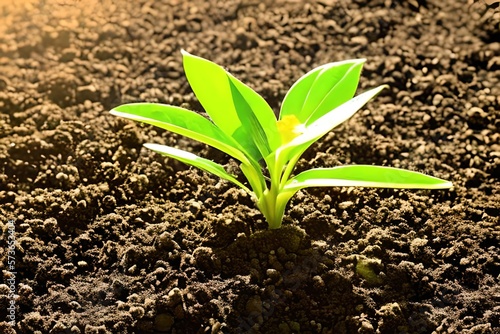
[(245, 127)]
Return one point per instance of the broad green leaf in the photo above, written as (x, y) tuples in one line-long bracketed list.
[(365, 176), (323, 125), (196, 161), (215, 89), (183, 122), (322, 90)]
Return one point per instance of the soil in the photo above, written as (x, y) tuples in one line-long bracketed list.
[(113, 238)]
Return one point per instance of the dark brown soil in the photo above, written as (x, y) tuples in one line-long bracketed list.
[(112, 238)]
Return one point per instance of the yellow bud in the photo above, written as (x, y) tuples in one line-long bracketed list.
[(289, 127)]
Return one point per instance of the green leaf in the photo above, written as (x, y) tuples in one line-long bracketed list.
[(196, 161), (323, 125), (261, 111), (221, 95), (365, 176), (183, 122), (321, 90), (255, 178), (250, 121)]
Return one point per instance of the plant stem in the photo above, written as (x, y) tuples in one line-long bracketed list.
[(268, 206), (272, 204), (273, 201)]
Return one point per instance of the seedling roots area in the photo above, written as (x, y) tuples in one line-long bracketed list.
[(101, 235)]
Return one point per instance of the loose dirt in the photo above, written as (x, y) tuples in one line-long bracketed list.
[(113, 238)]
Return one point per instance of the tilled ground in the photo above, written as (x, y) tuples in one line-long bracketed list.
[(112, 238)]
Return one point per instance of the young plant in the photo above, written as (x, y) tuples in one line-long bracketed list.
[(244, 126)]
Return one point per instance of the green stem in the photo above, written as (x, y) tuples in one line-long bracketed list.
[(273, 203), (269, 207)]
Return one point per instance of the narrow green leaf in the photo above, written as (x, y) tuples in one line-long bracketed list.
[(255, 178), (183, 122), (322, 90), (261, 111), (214, 87), (365, 176), (196, 161), (250, 121)]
